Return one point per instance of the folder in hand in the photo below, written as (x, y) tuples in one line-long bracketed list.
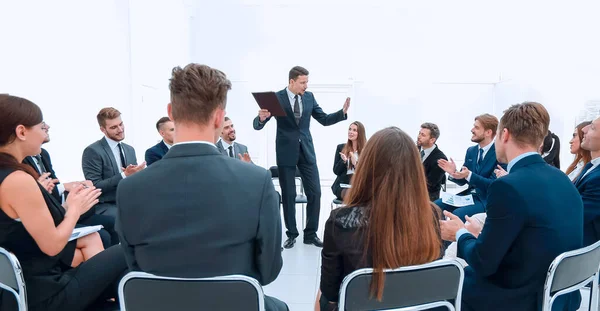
[(270, 102)]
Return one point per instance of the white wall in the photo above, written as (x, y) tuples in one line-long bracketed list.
[(403, 63), (73, 58)]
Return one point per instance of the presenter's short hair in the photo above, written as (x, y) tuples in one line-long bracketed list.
[(196, 92), (297, 71)]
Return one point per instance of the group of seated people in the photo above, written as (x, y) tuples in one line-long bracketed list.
[(171, 217)]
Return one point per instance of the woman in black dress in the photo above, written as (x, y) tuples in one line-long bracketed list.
[(346, 158), (35, 228)]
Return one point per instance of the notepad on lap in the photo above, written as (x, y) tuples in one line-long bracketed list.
[(345, 186), (83, 231), (456, 200)]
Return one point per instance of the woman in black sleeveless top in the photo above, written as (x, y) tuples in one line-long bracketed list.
[(36, 228)]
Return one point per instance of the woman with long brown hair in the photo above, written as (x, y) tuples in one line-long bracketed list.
[(582, 156), (346, 158), (388, 220), (36, 228)]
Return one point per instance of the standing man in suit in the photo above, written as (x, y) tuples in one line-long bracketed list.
[(228, 147), (430, 154), (166, 129), (295, 148), (229, 206), (527, 224), (588, 184), (109, 160), (478, 169)]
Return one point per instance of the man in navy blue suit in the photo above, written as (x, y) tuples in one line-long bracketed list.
[(478, 169), (588, 184), (294, 147), (166, 129), (533, 214)]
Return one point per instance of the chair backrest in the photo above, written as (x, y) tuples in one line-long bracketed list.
[(571, 271), (11, 278), (147, 292), (418, 287)]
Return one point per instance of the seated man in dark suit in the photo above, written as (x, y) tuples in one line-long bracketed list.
[(588, 184), (478, 169), (166, 129), (227, 145), (109, 160), (43, 165), (533, 215), (430, 154), (210, 215)]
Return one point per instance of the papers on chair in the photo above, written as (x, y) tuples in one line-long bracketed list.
[(83, 231), (345, 186), (456, 200)]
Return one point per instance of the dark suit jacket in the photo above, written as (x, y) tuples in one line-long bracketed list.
[(482, 178), (48, 165), (156, 152), (237, 148), (291, 136), (340, 169), (589, 189), (209, 216), (435, 175), (100, 167), (533, 215)]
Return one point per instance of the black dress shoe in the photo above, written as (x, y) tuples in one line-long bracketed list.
[(314, 241), (289, 243)]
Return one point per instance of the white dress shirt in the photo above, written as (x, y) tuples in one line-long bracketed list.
[(226, 147), (576, 171), (168, 146), (595, 163), (427, 152), (485, 151), (114, 147), (291, 96), (195, 142)]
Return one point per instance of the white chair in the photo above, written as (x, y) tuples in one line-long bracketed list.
[(140, 291), (420, 287), (571, 271), (11, 278)]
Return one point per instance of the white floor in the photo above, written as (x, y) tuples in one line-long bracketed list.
[(298, 281)]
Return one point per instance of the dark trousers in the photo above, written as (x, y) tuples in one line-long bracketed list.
[(312, 188), (108, 222), (93, 282), (461, 212)]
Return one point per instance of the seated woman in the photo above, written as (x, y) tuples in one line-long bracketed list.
[(387, 207), (36, 228), (346, 158), (582, 156)]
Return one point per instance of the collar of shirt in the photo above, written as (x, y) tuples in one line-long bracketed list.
[(428, 152), (111, 143), (168, 146), (485, 149), (226, 145), (291, 96), (519, 158), (595, 163), (195, 142)]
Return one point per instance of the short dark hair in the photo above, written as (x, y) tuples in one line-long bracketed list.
[(434, 130), (161, 121), (227, 119), (107, 113), (527, 123), (196, 92), (296, 72)]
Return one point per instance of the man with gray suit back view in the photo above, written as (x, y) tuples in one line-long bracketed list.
[(109, 160), (210, 215)]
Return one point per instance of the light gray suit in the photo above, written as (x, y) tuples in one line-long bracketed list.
[(237, 148), (100, 166)]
